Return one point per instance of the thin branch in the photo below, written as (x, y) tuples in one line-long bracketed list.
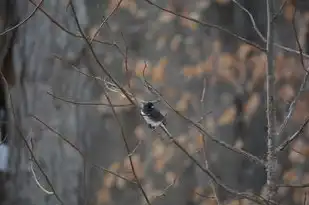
[(224, 30), (113, 110), (212, 184), (96, 58), (280, 10), (87, 103), (252, 197), (113, 173), (20, 134), (23, 21), (293, 137), (128, 149), (33, 172), (271, 107), (300, 186), (252, 20), (77, 149), (203, 131), (70, 32), (292, 106), (37, 181), (206, 25), (301, 56), (105, 20)]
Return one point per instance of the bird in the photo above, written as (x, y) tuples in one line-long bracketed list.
[(152, 116)]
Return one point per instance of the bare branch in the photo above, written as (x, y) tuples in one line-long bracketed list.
[(252, 20), (224, 30), (206, 24), (23, 21), (37, 181), (87, 103), (78, 150), (300, 186), (128, 150), (293, 137), (20, 134), (271, 107), (252, 197), (292, 106), (280, 10), (96, 58), (203, 131), (71, 33), (104, 21)]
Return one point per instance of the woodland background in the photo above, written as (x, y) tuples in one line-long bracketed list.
[(206, 74)]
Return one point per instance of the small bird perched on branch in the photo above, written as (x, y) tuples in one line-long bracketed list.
[(152, 116)]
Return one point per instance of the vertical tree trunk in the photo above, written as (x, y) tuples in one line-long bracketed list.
[(38, 72)]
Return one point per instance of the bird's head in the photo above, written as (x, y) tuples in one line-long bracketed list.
[(148, 106)]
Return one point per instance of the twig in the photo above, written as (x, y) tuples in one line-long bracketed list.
[(293, 137), (37, 181), (252, 197), (203, 131), (71, 33), (212, 185), (280, 10), (128, 150), (206, 24), (87, 103), (96, 58), (292, 106), (252, 20), (77, 149), (33, 172), (105, 20), (23, 21), (108, 99), (224, 30), (300, 186), (271, 109), (20, 134)]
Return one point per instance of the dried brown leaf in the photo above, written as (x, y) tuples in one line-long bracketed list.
[(140, 132), (187, 23), (138, 166), (120, 183), (170, 177), (159, 165), (175, 42), (225, 64), (183, 103), (103, 196), (252, 104), (243, 51), (161, 42), (158, 149), (158, 70), (200, 142), (296, 157), (166, 17), (290, 176), (286, 93), (227, 117), (288, 12)]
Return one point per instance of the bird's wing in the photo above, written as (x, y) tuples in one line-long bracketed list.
[(156, 115)]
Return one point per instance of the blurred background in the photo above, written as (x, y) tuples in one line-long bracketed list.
[(210, 76)]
